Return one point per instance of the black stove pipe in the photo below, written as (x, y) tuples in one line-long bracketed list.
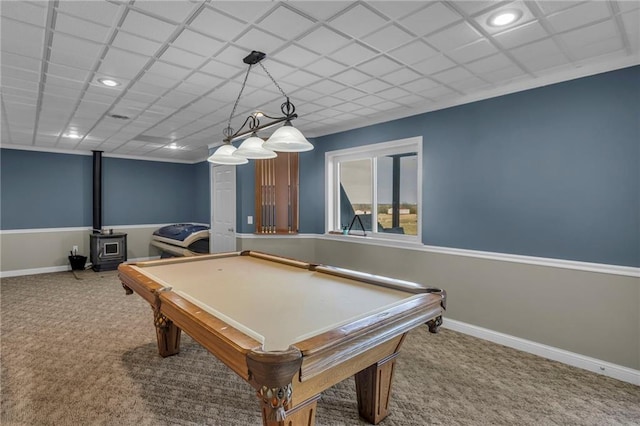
[(97, 192)]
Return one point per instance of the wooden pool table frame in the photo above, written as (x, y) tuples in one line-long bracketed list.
[(289, 382)]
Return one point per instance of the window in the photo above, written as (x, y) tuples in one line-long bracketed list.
[(376, 189)]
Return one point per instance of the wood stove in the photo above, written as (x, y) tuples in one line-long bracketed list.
[(107, 251)]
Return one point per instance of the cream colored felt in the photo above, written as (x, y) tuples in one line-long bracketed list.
[(274, 303)]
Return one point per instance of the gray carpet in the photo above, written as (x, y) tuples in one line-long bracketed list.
[(78, 352)]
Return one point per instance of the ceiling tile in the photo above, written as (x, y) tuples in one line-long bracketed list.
[(296, 23), (393, 93), (379, 66), (549, 7), (175, 55), (321, 10), (22, 39), (326, 87), (349, 94), (82, 29), (136, 44), (472, 51), (353, 54), (452, 75), (118, 63), (374, 85), (473, 7), (598, 48), (74, 52), (322, 40), (589, 35), (175, 11), (434, 64), (20, 74), (397, 9), (325, 67), (401, 76), (218, 69), (357, 21), (582, 14), (174, 72), (351, 77), (535, 51), (197, 43), (31, 13), (147, 27), (259, 40), (420, 85), (388, 38), (413, 52), (301, 78), (503, 75), (430, 19), (518, 36), (453, 37), (296, 56), (101, 12), (225, 28), (490, 63), (20, 62)]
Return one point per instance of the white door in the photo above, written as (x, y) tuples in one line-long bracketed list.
[(223, 209)]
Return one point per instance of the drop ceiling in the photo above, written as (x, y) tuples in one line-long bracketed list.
[(343, 64)]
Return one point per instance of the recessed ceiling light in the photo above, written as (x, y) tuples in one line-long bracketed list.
[(72, 135), (108, 82), (504, 17)]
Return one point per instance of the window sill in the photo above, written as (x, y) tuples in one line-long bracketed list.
[(374, 238)]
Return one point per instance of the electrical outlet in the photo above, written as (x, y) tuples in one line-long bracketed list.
[(249, 220), (74, 249)]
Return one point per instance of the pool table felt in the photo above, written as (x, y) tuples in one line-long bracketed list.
[(274, 303)]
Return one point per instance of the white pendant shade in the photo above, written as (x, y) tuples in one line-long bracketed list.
[(253, 149), (224, 155), (288, 139)]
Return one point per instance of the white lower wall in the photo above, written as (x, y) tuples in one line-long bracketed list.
[(33, 251), (586, 315)]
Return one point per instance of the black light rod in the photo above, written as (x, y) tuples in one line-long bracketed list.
[(239, 134)]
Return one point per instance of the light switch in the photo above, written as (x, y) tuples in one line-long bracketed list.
[(250, 220)]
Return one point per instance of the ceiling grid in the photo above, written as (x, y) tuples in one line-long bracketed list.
[(345, 64)]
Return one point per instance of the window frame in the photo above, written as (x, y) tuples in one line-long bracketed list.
[(370, 151)]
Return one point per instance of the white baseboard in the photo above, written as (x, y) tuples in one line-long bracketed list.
[(63, 268), (605, 368), (33, 271)]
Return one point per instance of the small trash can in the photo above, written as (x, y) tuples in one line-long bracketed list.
[(77, 262)]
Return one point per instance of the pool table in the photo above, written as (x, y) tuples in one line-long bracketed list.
[(291, 329)]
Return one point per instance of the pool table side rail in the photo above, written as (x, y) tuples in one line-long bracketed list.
[(227, 343), (185, 259), (402, 285), (343, 343), (279, 259)]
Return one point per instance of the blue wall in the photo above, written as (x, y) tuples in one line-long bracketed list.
[(46, 190), (550, 172)]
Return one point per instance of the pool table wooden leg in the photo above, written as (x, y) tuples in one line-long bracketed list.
[(373, 386), (167, 334), (303, 414)]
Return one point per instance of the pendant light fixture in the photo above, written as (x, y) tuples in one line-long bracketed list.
[(285, 139)]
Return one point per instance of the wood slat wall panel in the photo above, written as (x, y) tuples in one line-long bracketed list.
[(276, 194)]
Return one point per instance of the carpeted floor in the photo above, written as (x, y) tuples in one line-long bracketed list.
[(78, 352)]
